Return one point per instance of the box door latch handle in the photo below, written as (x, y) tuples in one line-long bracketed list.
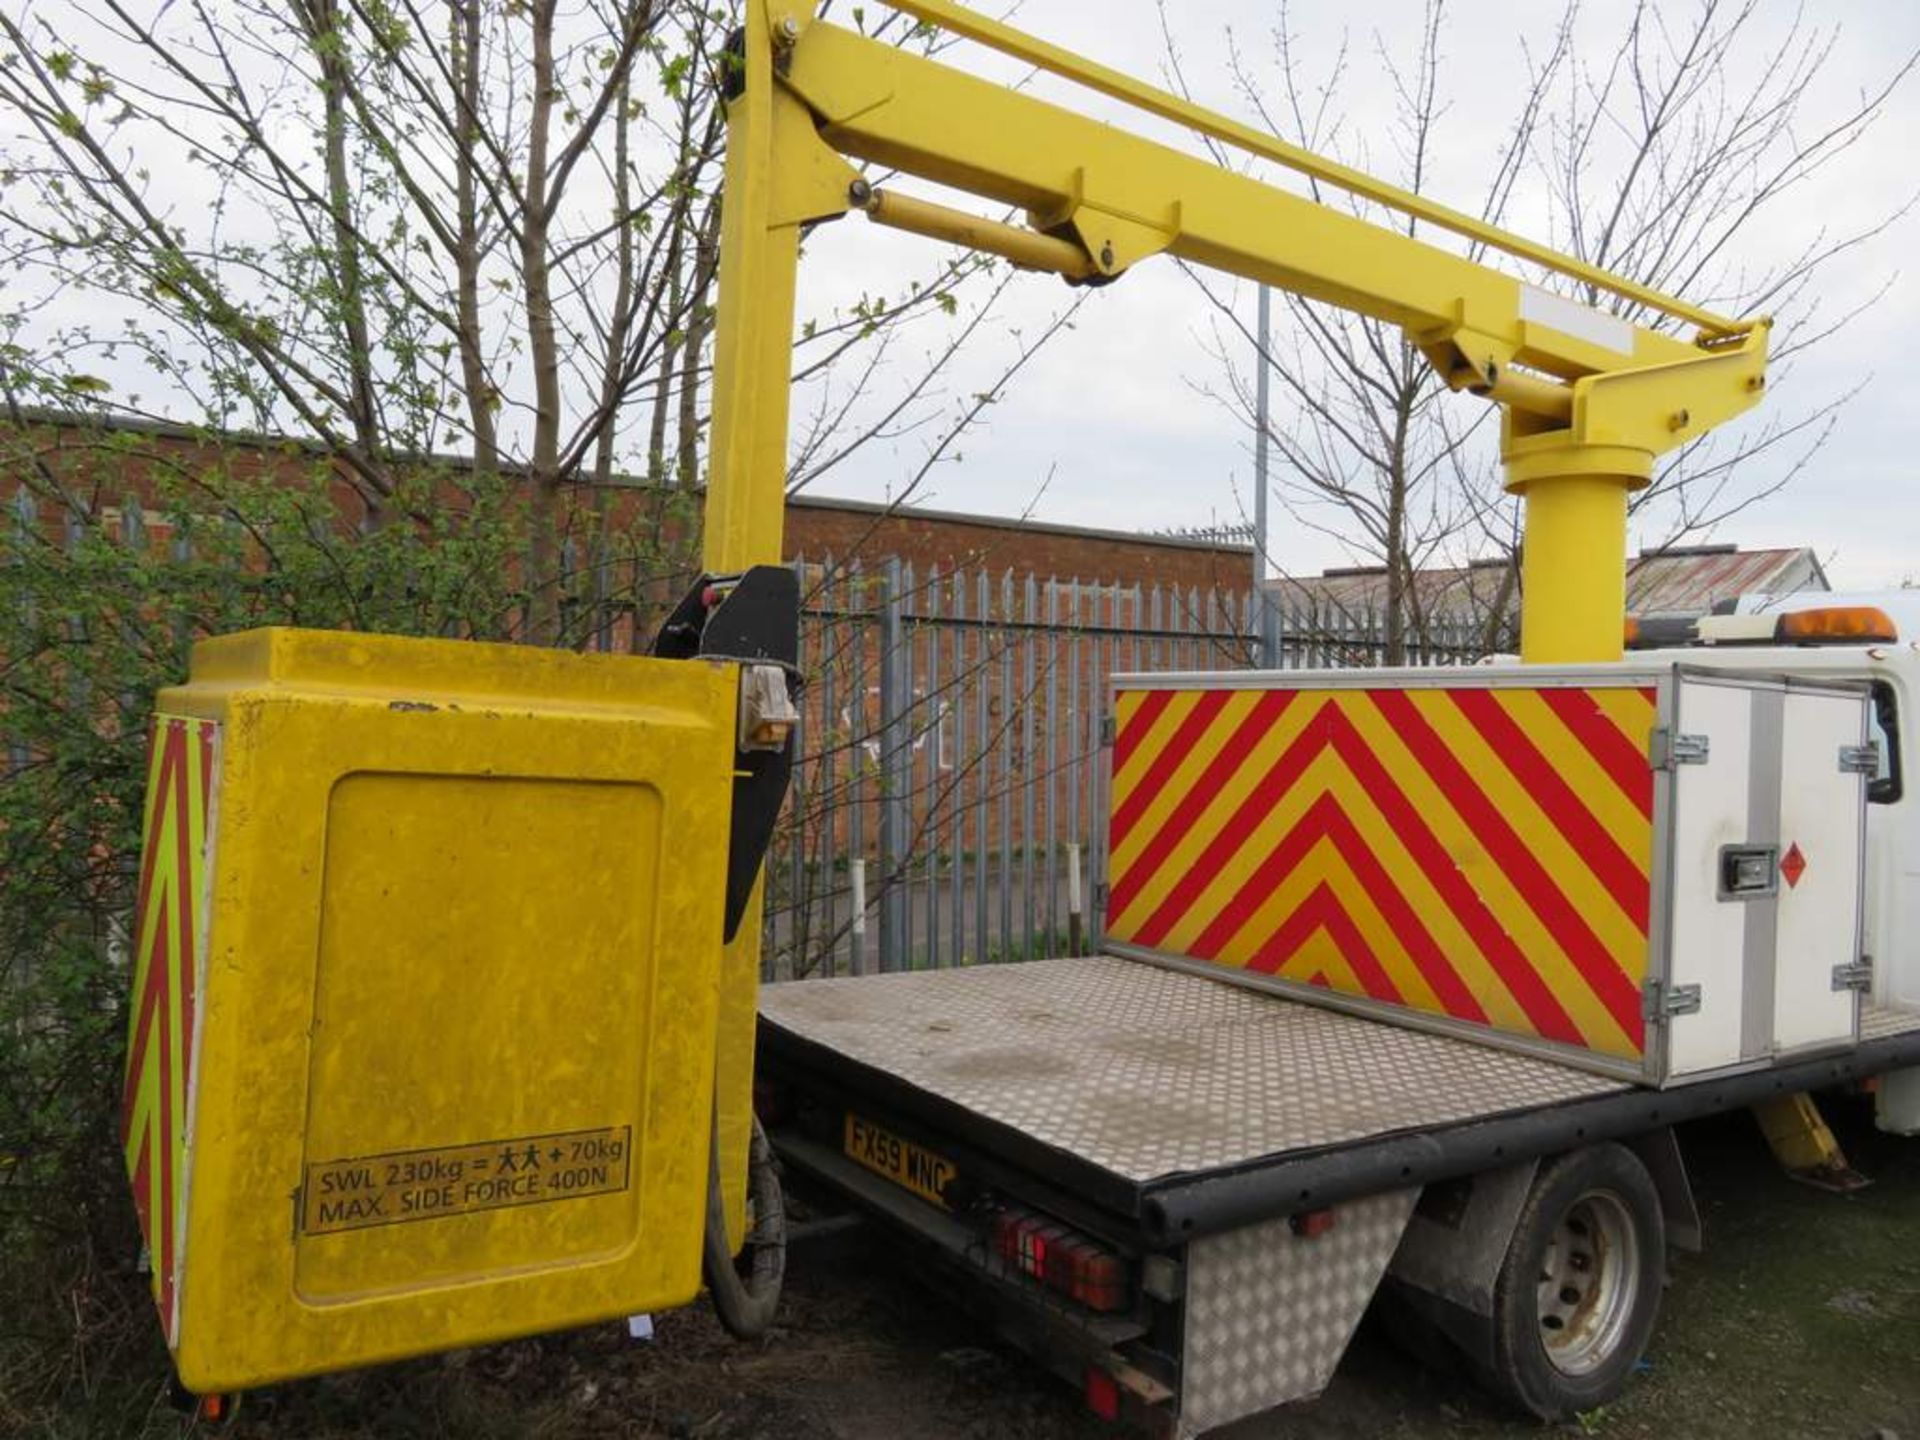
[(1857, 976), (1749, 872)]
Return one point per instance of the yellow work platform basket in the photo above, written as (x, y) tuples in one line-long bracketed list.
[(422, 1051)]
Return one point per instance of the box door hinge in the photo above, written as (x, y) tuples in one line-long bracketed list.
[(1860, 759), (1107, 728), (1666, 749), (1660, 1003), (1857, 976)]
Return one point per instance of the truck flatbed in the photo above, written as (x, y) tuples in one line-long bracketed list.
[(1177, 1105)]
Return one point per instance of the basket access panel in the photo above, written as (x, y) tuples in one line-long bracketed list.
[(423, 1041)]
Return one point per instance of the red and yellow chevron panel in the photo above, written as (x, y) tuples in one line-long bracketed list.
[(1479, 852), (168, 915)]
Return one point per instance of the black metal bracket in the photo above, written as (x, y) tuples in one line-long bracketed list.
[(751, 619), (730, 77)]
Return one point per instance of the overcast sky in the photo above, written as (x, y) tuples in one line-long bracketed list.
[(1115, 411)]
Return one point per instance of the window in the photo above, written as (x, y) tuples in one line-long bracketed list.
[(1884, 730)]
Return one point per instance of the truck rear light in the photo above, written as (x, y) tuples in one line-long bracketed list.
[(1037, 1242), (1093, 1276), (1102, 1281), (1312, 1224), (1103, 1393), (1061, 1262), (1006, 1236), (1062, 1259)]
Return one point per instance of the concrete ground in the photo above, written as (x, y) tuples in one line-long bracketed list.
[(1801, 1322)]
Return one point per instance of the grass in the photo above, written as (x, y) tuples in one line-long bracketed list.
[(1801, 1322)]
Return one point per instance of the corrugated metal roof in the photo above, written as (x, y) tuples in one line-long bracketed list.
[(1452, 590), (1682, 580), (1692, 580)]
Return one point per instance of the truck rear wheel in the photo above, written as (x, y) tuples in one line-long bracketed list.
[(1579, 1291)]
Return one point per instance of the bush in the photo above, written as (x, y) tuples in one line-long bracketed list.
[(97, 611)]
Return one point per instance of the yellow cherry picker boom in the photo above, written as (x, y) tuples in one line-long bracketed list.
[(1405, 976)]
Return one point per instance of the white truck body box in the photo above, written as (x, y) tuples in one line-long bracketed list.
[(1651, 870)]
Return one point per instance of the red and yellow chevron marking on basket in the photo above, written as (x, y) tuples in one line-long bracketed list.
[(153, 1110), (1476, 852)]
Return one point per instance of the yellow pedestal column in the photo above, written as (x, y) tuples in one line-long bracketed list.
[(1573, 579), (1573, 586)]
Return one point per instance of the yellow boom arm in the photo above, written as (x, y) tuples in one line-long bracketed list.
[(1588, 399)]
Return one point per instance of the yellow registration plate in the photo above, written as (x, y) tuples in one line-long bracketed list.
[(910, 1166)]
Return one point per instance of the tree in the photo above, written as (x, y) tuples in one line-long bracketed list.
[(401, 228), (341, 313), (1669, 160)]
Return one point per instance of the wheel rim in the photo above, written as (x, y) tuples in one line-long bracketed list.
[(1589, 1283)]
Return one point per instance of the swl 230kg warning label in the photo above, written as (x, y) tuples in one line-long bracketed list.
[(459, 1179)]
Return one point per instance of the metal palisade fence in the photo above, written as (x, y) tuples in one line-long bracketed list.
[(947, 798)]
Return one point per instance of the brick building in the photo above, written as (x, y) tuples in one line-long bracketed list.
[(138, 453), (949, 540)]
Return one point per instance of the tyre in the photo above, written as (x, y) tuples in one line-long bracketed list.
[(746, 1288), (1579, 1290)]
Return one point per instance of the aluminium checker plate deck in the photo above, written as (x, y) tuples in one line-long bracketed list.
[(1148, 1072), (1128, 1078)]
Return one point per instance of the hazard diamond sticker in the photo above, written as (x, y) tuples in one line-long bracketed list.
[(1793, 865)]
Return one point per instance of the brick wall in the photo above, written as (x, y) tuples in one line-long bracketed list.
[(817, 528), (136, 455)]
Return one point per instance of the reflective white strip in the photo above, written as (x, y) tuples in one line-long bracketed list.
[(1570, 317)]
